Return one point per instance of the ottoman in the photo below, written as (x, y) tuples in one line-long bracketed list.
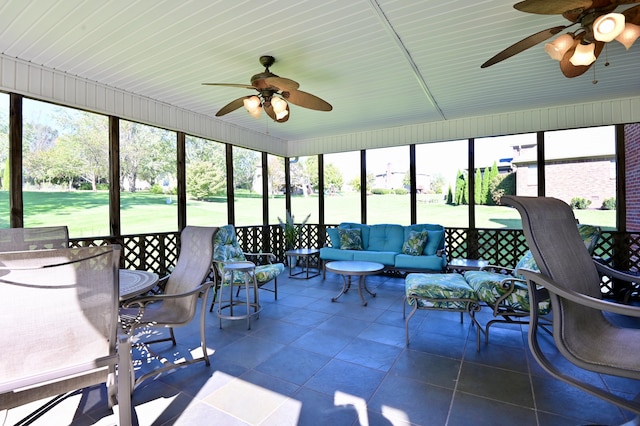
[(448, 292)]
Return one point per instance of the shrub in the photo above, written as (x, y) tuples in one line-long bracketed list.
[(580, 203), (380, 191), (85, 186), (609, 203), (401, 191), (102, 187), (155, 189)]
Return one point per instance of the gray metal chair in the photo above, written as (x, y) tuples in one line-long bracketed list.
[(46, 237), (176, 307), (60, 332), (582, 328)]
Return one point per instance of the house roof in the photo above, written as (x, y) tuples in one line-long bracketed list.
[(382, 64)]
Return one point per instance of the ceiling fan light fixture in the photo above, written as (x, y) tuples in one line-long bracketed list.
[(629, 35), (584, 55), (608, 27), (253, 106), (558, 47)]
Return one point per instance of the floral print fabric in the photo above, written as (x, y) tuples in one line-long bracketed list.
[(414, 245), (450, 288), (350, 239)]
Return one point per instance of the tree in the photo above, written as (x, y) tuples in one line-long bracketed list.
[(333, 177), (484, 186), (275, 166), (477, 189), (437, 183), (204, 180), (245, 162), (462, 191), (449, 195)]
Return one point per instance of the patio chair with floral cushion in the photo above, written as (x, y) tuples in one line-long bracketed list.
[(226, 248), (505, 291)]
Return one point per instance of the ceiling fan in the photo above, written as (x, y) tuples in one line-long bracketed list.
[(274, 95), (578, 50)]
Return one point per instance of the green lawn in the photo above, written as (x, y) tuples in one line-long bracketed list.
[(86, 213)]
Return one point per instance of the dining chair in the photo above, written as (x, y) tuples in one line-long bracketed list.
[(585, 330), (176, 306), (60, 331), (46, 237)]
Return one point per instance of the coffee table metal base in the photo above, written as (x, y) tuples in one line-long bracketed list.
[(350, 269)]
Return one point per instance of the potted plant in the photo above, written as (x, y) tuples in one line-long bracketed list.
[(291, 230)]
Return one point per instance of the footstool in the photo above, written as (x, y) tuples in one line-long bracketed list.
[(447, 292)]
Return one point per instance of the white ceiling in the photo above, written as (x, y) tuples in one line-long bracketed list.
[(380, 63)]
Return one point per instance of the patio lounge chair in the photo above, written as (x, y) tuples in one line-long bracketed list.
[(176, 307), (505, 291), (583, 329), (59, 310)]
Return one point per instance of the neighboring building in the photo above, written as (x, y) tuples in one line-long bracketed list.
[(591, 176)]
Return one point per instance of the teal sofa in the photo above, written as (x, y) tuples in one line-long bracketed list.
[(388, 244)]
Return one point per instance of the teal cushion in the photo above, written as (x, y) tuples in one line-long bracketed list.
[(526, 262), (350, 239), (414, 244), (334, 237), (434, 242), (385, 237)]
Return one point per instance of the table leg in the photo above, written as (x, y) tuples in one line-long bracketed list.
[(362, 283), (346, 284)]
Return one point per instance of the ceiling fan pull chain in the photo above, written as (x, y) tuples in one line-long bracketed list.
[(594, 81), (606, 55)]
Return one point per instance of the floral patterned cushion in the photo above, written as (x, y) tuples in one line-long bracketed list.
[(264, 274), (414, 245), (526, 262), (350, 239), (448, 287), (488, 286), (590, 235)]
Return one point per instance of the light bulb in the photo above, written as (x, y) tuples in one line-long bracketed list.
[(629, 35), (557, 48), (252, 104), (583, 55), (278, 104), (609, 26)]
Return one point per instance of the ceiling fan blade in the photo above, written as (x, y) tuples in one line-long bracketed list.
[(231, 106), (282, 83), (633, 14), (242, 86), (568, 69), (307, 100), (555, 7), (524, 44)]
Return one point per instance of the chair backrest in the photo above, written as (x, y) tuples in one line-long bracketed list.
[(589, 234), (47, 237), (226, 247), (192, 268), (560, 253), (59, 316)]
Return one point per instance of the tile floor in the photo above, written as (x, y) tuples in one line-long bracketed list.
[(308, 361)]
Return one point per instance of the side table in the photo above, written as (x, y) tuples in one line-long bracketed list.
[(305, 253), (248, 270), (461, 265)]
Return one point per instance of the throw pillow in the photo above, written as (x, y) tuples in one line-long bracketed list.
[(434, 242), (350, 239), (414, 245), (334, 237)]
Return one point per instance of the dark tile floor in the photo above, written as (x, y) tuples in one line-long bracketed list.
[(309, 361)]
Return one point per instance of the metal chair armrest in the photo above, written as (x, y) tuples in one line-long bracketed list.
[(582, 299), (142, 301), (614, 273)]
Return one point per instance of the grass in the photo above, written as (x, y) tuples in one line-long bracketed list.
[(86, 213)]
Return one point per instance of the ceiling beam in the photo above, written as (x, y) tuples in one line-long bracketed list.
[(414, 68)]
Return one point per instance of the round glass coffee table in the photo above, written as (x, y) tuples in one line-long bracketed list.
[(354, 268)]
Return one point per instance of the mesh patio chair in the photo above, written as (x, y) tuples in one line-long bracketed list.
[(176, 306), (583, 329), (46, 237), (60, 333)]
